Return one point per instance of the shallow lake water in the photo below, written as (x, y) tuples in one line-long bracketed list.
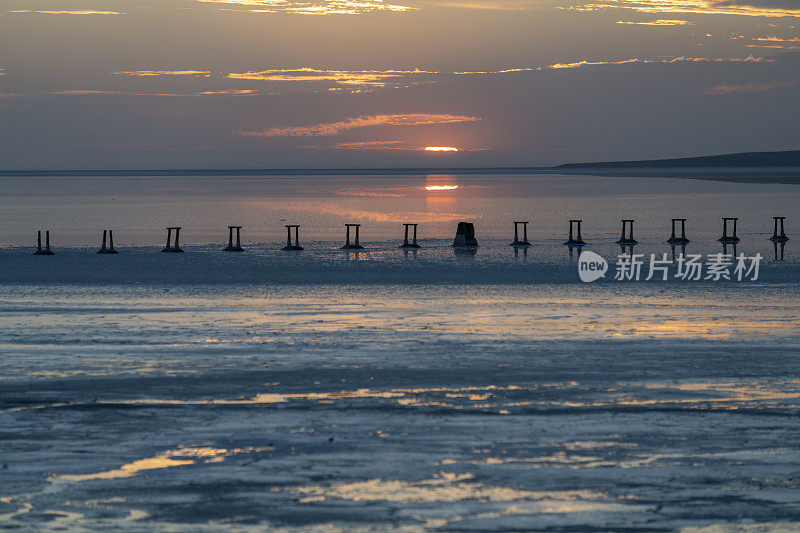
[(76, 209)]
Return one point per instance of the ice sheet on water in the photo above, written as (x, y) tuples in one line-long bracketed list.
[(424, 406)]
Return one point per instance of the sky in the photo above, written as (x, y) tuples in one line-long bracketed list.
[(145, 84)]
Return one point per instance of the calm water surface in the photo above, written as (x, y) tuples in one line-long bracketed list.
[(77, 208)]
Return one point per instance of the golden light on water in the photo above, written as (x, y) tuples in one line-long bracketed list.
[(441, 187), (441, 149)]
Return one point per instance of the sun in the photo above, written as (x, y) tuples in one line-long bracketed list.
[(441, 149), (441, 187)]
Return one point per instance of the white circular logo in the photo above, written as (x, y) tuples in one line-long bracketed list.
[(591, 266)]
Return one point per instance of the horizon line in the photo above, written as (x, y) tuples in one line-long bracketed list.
[(286, 170)]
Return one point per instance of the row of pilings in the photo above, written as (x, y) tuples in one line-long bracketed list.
[(465, 236)]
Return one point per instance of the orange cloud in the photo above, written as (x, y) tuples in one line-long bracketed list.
[(778, 39), (234, 92), (751, 87), (372, 78), (313, 7), (369, 145), (579, 64), (661, 22), (504, 71), (492, 5), (83, 92), (93, 92), (153, 73), (587, 63), (81, 12), (773, 46), (777, 43), (704, 7), (584, 63), (366, 121)]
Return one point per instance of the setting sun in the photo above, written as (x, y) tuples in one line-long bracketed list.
[(440, 149), (441, 187)]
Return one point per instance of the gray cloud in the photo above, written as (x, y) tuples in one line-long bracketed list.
[(779, 4)]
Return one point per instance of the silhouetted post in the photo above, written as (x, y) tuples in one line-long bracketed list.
[(730, 239), (575, 240), (674, 239), (524, 241), (238, 246), (465, 235), (782, 237), (170, 248), (627, 224), (289, 245), (413, 243), (110, 249), (46, 250), (355, 245)]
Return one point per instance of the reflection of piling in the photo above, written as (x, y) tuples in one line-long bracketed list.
[(413, 243), (733, 247), (572, 251), (782, 236), (231, 247), (674, 239), (674, 245), (355, 245), (575, 239), (729, 239), (524, 241), (110, 248), (46, 250), (465, 252), (779, 249), (292, 246), (170, 248), (465, 235), (627, 240)]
